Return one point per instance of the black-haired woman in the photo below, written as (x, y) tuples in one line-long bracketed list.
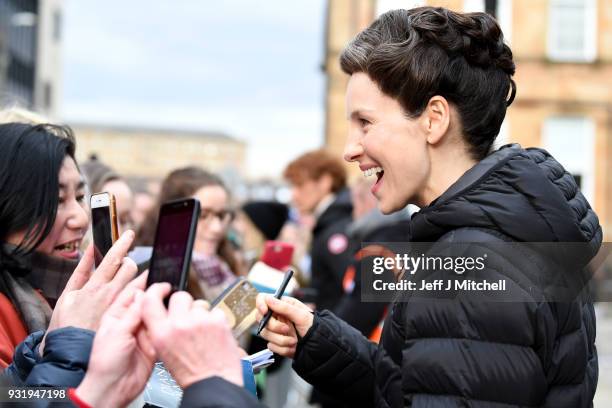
[(427, 94), (43, 218)]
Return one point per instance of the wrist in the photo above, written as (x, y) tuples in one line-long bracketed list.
[(41, 346), (303, 328), (96, 394), (307, 335), (233, 376), (76, 400)]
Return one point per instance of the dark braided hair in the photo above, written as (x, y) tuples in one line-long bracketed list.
[(416, 54)]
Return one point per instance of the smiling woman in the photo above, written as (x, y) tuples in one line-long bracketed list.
[(427, 94), (42, 198), (43, 218), (51, 299)]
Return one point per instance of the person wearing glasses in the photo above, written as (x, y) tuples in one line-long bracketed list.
[(214, 265)]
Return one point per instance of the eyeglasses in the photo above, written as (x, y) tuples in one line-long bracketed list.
[(224, 216)]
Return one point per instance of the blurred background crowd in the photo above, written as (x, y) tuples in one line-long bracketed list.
[(242, 107)]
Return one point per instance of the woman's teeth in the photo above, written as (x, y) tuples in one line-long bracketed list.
[(69, 247), (372, 171)]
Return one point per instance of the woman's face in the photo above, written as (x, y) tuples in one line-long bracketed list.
[(382, 137), (308, 193), (211, 228), (125, 200), (72, 218)]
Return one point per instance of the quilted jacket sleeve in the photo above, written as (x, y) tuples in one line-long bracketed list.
[(26, 356), (65, 359), (337, 359)]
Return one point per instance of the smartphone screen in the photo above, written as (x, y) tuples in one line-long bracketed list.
[(102, 225), (174, 238), (103, 241)]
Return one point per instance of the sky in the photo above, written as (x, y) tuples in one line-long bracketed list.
[(249, 69)]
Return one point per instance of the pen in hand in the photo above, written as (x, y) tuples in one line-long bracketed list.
[(277, 295)]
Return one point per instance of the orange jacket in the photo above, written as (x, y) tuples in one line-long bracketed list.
[(12, 331)]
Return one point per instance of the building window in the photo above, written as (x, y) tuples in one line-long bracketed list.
[(382, 6), (500, 9), (571, 140), (57, 25), (472, 6), (48, 96), (572, 30), (503, 137)]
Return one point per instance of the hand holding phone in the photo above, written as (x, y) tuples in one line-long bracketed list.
[(104, 224)]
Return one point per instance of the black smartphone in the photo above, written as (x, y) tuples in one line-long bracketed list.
[(176, 228), (104, 224)]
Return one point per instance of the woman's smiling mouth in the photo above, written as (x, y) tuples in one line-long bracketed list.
[(379, 172), (69, 249)]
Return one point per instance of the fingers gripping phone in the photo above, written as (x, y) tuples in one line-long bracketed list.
[(104, 224), (176, 228)]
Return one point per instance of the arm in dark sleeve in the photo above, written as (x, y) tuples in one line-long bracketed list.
[(217, 392), (25, 358), (336, 359), (65, 359)]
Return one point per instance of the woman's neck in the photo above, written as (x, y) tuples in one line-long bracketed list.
[(447, 166)]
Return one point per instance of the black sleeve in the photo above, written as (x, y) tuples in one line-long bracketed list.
[(217, 392), (337, 359)]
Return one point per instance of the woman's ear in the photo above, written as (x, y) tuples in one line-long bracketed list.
[(436, 119)]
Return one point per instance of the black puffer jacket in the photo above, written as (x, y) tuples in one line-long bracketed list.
[(462, 352)]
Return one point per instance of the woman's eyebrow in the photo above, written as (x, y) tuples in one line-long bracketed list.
[(79, 186), (359, 112)]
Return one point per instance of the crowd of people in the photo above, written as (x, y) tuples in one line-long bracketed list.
[(427, 94)]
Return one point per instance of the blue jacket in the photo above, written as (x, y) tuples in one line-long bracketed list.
[(64, 362)]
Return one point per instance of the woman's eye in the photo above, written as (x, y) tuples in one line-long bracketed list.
[(363, 122), (80, 198)]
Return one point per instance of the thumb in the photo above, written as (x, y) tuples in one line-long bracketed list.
[(131, 319)]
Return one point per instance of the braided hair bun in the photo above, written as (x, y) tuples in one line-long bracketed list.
[(415, 54)]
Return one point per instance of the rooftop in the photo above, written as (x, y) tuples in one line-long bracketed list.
[(153, 130)]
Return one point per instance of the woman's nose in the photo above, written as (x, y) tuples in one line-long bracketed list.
[(78, 217), (352, 149), (215, 224)]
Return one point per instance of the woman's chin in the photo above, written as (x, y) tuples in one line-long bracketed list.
[(385, 210), (387, 205)]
